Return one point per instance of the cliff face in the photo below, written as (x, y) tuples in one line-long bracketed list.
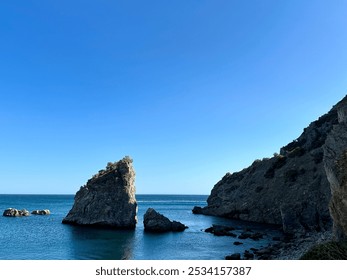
[(335, 160), (290, 189), (108, 198)]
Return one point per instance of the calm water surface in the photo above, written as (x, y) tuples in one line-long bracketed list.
[(45, 237)]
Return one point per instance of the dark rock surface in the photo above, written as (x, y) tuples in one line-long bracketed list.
[(290, 189), (236, 256), (248, 255), (335, 162), (220, 230), (108, 199), (12, 212), (197, 210), (156, 222)]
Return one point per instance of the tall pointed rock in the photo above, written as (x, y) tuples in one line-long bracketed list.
[(108, 199)]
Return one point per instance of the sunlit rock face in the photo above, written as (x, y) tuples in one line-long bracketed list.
[(335, 162), (108, 199)]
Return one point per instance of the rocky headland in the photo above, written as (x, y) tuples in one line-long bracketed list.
[(303, 188), (108, 199)]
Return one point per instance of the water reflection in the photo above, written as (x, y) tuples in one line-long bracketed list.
[(100, 244)]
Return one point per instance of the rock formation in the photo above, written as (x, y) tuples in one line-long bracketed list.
[(155, 222), (108, 199), (335, 160), (12, 212), (291, 189), (41, 212)]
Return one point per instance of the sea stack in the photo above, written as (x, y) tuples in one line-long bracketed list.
[(335, 162), (156, 222), (108, 199)]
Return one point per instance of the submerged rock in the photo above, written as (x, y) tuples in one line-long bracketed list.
[(108, 199), (41, 212), (12, 212), (156, 222)]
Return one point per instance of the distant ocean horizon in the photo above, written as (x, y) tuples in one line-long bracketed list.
[(46, 238)]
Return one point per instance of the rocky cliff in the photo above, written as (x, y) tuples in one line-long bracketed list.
[(335, 160), (108, 198), (290, 189)]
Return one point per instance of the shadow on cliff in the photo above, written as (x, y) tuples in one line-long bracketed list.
[(101, 244)]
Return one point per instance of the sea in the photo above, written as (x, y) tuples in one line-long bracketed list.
[(46, 238)]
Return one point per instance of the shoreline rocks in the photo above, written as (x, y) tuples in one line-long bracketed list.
[(219, 230), (156, 222), (108, 199)]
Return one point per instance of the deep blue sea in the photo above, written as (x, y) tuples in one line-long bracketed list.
[(46, 238)]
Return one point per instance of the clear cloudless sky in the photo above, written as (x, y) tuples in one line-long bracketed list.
[(190, 89)]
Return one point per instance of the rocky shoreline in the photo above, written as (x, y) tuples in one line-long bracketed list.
[(281, 247), (302, 189)]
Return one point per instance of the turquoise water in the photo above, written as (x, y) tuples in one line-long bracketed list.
[(46, 238)]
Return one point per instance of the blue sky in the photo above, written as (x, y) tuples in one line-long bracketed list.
[(189, 89)]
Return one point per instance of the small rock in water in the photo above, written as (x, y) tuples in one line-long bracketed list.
[(244, 235), (219, 230), (236, 256), (12, 212), (156, 222), (247, 255), (41, 212)]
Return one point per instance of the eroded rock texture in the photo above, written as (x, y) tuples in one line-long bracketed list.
[(335, 160), (156, 222), (108, 199), (290, 189), (12, 212)]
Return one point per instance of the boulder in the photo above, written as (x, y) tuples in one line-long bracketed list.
[(108, 199), (220, 230), (236, 256), (335, 162), (12, 212), (248, 255), (156, 222), (197, 210), (41, 212)]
